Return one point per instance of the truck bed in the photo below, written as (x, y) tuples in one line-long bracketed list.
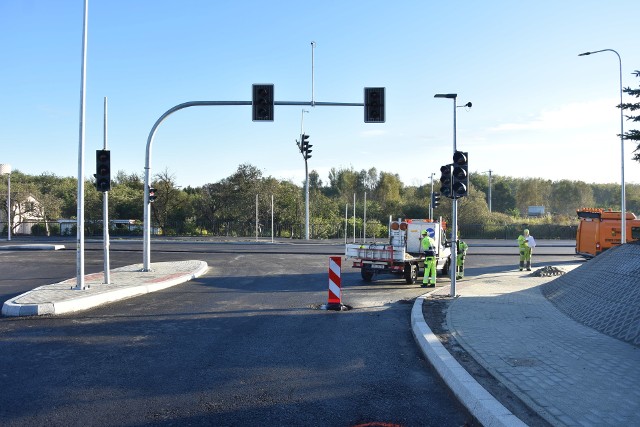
[(378, 252)]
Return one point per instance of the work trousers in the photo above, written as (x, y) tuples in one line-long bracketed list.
[(460, 266), (429, 271)]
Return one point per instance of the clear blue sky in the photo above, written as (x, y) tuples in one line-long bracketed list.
[(538, 110)]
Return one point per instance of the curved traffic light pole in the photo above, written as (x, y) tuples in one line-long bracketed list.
[(146, 249)]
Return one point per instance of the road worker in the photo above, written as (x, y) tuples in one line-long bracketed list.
[(461, 251), (429, 248), (526, 242)]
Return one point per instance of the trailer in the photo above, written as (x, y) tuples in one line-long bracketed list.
[(403, 255)]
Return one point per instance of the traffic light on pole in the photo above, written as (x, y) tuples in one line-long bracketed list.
[(374, 105), (445, 181), (460, 186), (262, 103), (305, 147), (152, 194), (435, 199), (103, 170)]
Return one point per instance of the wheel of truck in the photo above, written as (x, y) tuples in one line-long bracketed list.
[(367, 275), (445, 267), (410, 273)]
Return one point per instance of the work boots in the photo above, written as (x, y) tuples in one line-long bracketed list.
[(528, 265), (521, 265)]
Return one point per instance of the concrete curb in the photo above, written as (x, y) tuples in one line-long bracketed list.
[(479, 402), (31, 247), (102, 294)]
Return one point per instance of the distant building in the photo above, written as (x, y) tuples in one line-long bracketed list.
[(535, 211), (24, 215), (68, 226)]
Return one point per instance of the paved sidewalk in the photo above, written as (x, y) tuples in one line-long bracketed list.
[(568, 373), (126, 282)]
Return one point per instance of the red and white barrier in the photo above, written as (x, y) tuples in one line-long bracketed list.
[(335, 290)]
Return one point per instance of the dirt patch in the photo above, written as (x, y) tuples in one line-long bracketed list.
[(434, 310)]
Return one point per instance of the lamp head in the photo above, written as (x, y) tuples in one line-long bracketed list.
[(446, 95)]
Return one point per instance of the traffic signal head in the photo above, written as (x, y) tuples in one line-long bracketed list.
[(262, 103), (305, 147), (103, 170), (374, 105), (152, 194), (435, 199), (460, 186), (446, 181)]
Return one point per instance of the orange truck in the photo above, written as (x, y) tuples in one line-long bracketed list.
[(599, 230)]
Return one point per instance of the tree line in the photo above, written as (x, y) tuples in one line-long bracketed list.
[(229, 205)]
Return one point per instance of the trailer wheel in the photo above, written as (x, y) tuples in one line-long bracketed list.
[(410, 273), (367, 275)]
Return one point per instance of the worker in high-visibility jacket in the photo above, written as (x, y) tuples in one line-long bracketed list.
[(429, 248), (461, 253), (525, 243)]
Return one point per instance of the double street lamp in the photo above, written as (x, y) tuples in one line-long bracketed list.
[(623, 204)]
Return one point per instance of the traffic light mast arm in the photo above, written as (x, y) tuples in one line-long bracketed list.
[(146, 249)]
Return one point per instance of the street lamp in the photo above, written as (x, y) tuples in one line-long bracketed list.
[(623, 204), (5, 169), (431, 198), (454, 204)]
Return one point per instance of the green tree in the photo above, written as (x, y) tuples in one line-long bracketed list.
[(388, 192), (568, 196), (503, 194), (343, 183), (633, 134), (532, 192), (473, 209), (171, 208)]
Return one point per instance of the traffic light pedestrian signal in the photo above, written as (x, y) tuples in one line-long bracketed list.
[(103, 170), (435, 199), (445, 180), (305, 147), (374, 105), (460, 183), (262, 103), (152, 194)]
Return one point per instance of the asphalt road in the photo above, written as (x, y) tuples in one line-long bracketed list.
[(245, 344)]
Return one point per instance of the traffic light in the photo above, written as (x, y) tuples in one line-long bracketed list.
[(435, 199), (103, 170), (262, 103), (445, 181), (305, 147), (374, 105), (460, 186), (152, 194)]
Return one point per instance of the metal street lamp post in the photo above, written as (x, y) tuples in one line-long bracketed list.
[(431, 200), (454, 202), (5, 169), (306, 177), (623, 204)]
